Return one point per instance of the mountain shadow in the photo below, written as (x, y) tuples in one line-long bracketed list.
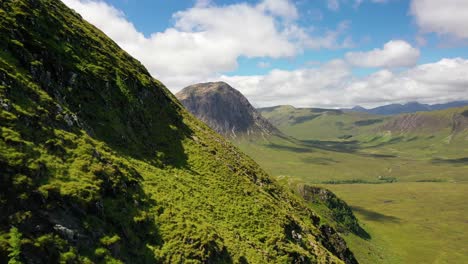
[(375, 216)]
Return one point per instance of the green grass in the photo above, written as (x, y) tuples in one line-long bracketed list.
[(324, 162), (410, 222), (313, 124)]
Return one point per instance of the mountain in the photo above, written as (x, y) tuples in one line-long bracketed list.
[(358, 108), (449, 105), (224, 109), (101, 164), (411, 107)]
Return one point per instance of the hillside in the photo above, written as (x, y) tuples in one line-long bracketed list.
[(225, 110), (316, 123), (337, 125), (454, 120), (100, 163)]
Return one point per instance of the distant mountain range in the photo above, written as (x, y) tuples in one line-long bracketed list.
[(411, 107)]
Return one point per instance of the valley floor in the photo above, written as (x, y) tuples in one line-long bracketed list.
[(409, 222), (410, 195)]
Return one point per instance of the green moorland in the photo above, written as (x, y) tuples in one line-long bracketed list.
[(406, 176), (99, 163)]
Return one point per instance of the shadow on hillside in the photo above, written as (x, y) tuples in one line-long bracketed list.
[(289, 148), (460, 161), (361, 232), (319, 160), (302, 119), (376, 155), (337, 146), (116, 103), (152, 130), (374, 216), (394, 140)]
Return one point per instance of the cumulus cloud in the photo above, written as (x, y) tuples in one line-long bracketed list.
[(395, 53), (448, 17), (206, 40), (333, 85)]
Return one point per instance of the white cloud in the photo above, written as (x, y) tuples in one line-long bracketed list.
[(207, 40), (333, 85), (447, 17), (304, 87), (395, 53), (283, 8)]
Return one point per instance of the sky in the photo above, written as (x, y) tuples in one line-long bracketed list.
[(316, 53)]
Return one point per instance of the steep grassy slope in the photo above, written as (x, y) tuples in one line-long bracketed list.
[(100, 163)]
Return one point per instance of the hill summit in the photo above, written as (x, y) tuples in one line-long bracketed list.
[(224, 109)]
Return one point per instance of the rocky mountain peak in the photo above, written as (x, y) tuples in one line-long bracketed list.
[(224, 109)]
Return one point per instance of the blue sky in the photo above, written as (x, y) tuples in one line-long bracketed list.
[(327, 53)]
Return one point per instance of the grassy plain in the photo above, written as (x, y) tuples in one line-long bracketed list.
[(409, 222)]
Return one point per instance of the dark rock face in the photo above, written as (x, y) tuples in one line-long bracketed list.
[(340, 211), (337, 245), (224, 109)]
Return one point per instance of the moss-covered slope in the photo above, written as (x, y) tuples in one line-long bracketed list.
[(99, 162)]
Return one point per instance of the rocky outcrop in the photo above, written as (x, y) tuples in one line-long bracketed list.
[(340, 212), (224, 109)]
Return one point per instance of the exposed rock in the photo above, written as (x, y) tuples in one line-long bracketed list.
[(5, 105), (337, 245), (65, 232)]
